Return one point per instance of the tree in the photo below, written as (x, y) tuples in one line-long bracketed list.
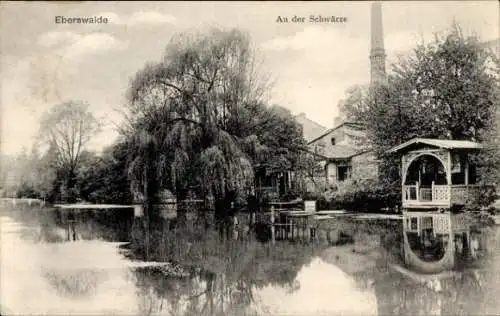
[(489, 160), (67, 129), (89, 182), (443, 90), (19, 173), (46, 175), (13, 171), (116, 184), (352, 105), (273, 139), (196, 118)]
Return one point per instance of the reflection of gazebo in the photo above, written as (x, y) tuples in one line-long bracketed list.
[(437, 173), (435, 242)]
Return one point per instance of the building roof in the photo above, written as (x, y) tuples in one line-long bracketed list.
[(338, 152), (310, 129), (351, 124), (440, 143)]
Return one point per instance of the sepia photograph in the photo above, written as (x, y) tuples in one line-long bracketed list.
[(249, 158)]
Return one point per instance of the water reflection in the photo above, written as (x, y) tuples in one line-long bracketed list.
[(465, 294), (61, 278), (225, 276), (190, 271), (324, 290)]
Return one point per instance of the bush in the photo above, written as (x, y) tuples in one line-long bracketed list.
[(27, 191), (322, 204), (290, 196), (269, 196), (487, 201), (488, 197), (311, 196), (364, 196)]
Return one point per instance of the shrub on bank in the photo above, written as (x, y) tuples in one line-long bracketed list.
[(366, 195), (27, 191)]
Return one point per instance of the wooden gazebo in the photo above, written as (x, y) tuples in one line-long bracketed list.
[(437, 173)]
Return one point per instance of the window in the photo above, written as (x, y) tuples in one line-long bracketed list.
[(456, 163), (343, 173), (333, 141), (414, 224), (427, 222), (472, 174)]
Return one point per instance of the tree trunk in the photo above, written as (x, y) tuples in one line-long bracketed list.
[(210, 291), (70, 186), (146, 213)]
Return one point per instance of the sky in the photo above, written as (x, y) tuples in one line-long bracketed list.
[(311, 64)]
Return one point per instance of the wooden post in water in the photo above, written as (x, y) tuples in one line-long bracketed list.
[(273, 237), (307, 228), (309, 225), (138, 210), (65, 218)]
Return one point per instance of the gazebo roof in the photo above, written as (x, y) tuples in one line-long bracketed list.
[(439, 143)]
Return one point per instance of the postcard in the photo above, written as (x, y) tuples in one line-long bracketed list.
[(249, 158)]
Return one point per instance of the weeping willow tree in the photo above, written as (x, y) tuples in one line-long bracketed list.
[(192, 118)]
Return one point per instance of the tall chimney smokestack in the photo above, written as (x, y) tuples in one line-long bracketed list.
[(377, 52)]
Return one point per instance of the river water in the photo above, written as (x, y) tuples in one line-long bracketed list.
[(44, 270)]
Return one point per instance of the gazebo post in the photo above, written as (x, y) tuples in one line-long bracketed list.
[(448, 167), (417, 191), (433, 197), (273, 235), (448, 175), (466, 171)]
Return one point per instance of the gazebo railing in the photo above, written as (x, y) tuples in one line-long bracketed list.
[(435, 194), (410, 193), (439, 195), (426, 194)]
